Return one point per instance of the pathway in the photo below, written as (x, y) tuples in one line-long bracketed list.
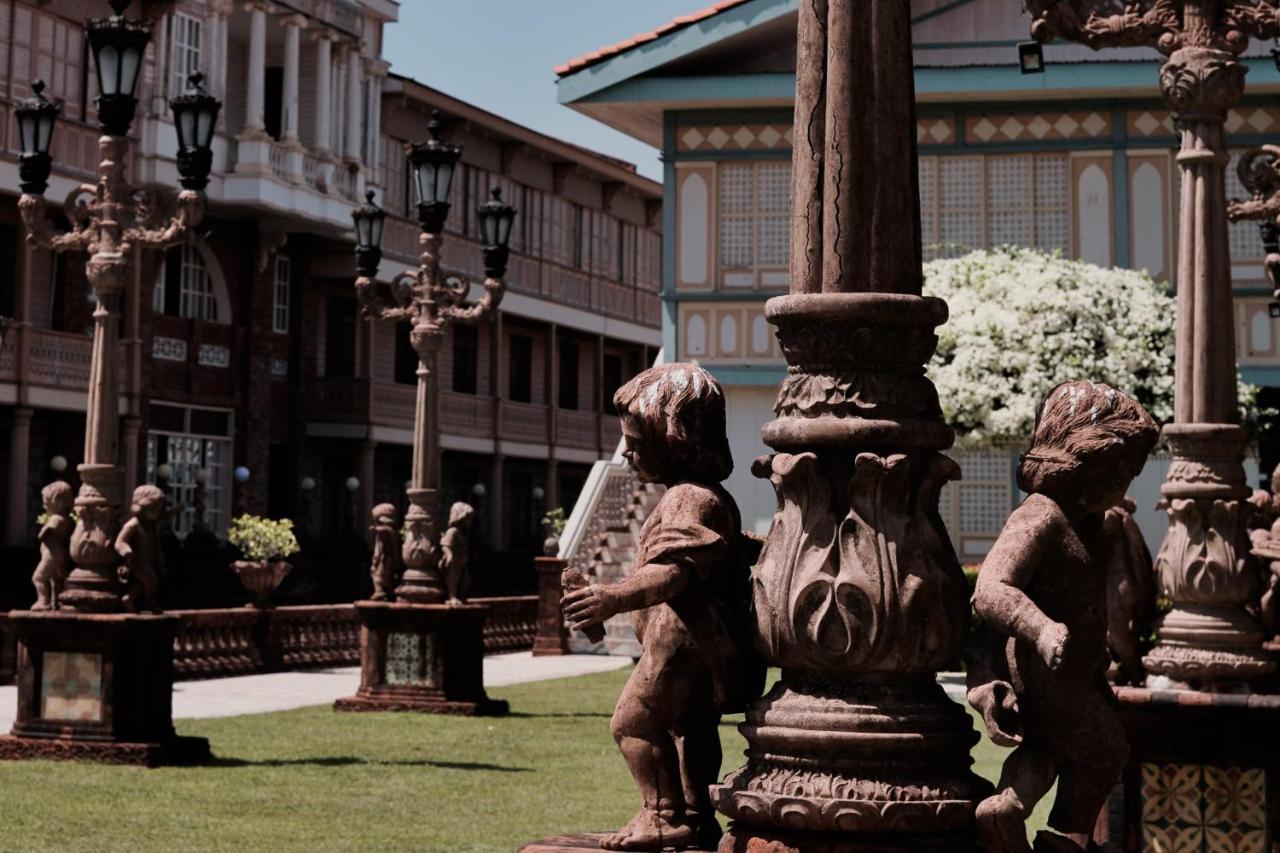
[(283, 691)]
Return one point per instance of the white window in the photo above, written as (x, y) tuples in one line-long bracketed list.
[(185, 288), (195, 444), (755, 230), (280, 296), (185, 42), (979, 201)]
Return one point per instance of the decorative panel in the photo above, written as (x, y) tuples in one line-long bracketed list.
[(71, 686), (774, 136), (168, 349), (693, 226), (727, 332), (1037, 127), (1149, 215), (412, 659), (1192, 808), (213, 355), (1245, 242), (1093, 210), (1256, 331), (753, 211)]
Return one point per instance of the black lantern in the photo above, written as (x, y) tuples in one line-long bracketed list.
[(368, 218), (195, 114), (495, 217), (36, 118), (118, 47), (433, 163), (1030, 57)]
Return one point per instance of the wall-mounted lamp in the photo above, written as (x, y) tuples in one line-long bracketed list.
[(1030, 57)]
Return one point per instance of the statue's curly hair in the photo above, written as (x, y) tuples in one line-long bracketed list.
[(58, 493), (148, 496), (1082, 428), (680, 406), (461, 511), (388, 510)]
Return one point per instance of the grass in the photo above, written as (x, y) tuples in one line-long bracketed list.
[(313, 780)]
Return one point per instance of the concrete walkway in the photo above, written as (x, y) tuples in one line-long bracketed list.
[(283, 691)]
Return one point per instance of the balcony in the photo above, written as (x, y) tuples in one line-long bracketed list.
[(388, 404), (47, 359)]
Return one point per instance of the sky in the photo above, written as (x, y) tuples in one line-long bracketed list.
[(499, 55)]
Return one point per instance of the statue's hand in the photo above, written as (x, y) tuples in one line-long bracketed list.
[(590, 605), (1052, 645), (124, 575), (998, 705)]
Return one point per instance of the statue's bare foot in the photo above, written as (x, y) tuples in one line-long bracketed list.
[(39, 606), (652, 830), (380, 596), (1001, 823)]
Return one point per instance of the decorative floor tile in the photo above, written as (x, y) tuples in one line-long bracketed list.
[(71, 687), (1171, 793), (1235, 796), (412, 659), (1189, 808)]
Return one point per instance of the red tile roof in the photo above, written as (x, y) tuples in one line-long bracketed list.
[(682, 21)]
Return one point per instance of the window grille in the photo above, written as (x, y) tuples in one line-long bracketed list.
[(280, 296), (189, 439), (754, 215), (185, 288), (1244, 240)]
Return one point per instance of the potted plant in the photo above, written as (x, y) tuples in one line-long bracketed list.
[(265, 544), (553, 522)]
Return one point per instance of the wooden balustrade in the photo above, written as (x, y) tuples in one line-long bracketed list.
[(393, 404), (578, 429), (466, 414), (339, 400), (53, 359), (522, 422)]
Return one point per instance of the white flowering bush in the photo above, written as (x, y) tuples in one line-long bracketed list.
[(1022, 320), (262, 538)]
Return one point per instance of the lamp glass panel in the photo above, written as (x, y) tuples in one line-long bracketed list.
[(108, 69), (363, 228), (186, 129), (27, 132), (204, 127), (375, 238), (426, 182), (443, 182), (131, 59), (504, 227), (489, 225), (46, 133)]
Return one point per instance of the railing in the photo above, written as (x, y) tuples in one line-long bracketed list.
[(344, 183), (338, 400), (393, 404), (279, 160), (240, 641), (466, 414), (313, 171), (58, 359), (522, 421), (578, 429)]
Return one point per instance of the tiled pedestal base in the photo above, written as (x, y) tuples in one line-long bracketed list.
[(421, 657), (97, 687), (574, 844), (1204, 772)]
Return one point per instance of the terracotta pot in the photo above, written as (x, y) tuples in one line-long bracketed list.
[(261, 577)]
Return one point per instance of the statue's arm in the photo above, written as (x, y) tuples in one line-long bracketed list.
[(999, 596)]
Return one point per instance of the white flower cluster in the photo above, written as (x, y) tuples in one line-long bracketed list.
[(263, 539), (1021, 321)]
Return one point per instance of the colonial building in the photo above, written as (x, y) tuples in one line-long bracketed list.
[(1079, 159), (247, 375)]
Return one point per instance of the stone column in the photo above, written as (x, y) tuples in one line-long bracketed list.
[(219, 20), (355, 109), (255, 105), (496, 477), (859, 595), (324, 94), (293, 26), (18, 523), (366, 471), (1204, 563)]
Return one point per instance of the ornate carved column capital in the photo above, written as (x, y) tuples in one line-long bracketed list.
[(1201, 84)]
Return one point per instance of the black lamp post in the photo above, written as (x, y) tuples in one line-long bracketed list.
[(195, 115), (368, 218), (36, 117), (118, 45), (433, 163)]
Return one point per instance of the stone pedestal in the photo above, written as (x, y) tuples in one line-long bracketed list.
[(576, 843), (553, 635), (1200, 774), (97, 687), (421, 657)]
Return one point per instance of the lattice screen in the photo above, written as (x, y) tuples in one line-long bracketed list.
[(1245, 242), (980, 503), (754, 201)]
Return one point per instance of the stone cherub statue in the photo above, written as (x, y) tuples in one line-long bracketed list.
[(138, 544), (388, 561), (1131, 591), (455, 548), (55, 545), (1042, 590), (690, 594)]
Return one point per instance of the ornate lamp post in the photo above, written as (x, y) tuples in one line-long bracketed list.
[(109, 221), (1203, 564), (430, 300)]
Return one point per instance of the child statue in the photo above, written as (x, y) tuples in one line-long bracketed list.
[(387, 564), (1043, 593), (138, 544), (55, 545), (690, 593), (455, 550), (1131, 591)]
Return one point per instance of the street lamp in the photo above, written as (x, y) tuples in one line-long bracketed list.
[(195, 115), (36, 117), (429, 299), (433, 163), (108, 220), (368, 218), (118, 45)]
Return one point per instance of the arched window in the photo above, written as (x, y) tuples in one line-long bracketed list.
[(189, 286)]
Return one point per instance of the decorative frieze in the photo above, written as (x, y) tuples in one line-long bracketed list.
[(213, 355), (168, 349)]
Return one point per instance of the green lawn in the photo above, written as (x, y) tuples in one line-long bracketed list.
[(314, 780)]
